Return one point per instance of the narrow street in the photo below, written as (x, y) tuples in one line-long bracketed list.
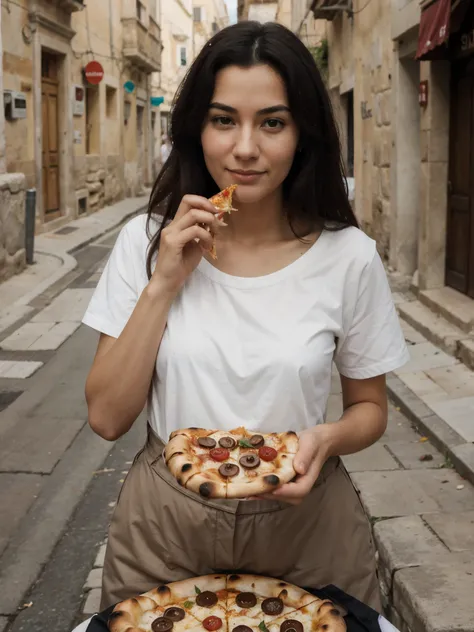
[(59, 482)]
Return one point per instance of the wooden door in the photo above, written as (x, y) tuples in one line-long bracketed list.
[(50, 114), (460, 229)]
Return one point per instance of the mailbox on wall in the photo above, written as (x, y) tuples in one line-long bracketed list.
[(15, 105)]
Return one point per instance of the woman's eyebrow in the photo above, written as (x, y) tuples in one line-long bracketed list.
[(270, 110)]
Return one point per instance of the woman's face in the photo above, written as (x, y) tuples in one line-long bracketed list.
[(249, 137)]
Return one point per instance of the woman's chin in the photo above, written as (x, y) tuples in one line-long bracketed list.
[(250, 195)]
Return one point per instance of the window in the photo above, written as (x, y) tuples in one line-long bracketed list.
[(140, 11), (182, 56), (215, 28), (199, 14), (111, 102)]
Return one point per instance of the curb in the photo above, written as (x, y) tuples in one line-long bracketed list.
[(443, 437), (68, 261)]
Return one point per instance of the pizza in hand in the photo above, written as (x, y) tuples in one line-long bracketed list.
[(222, 201), (234, 464), (229, 603)]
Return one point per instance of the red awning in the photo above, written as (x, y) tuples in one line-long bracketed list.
[(434, 27)]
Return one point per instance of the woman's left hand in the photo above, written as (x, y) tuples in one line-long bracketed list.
[(313, 452)]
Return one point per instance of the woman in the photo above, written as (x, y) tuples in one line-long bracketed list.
[(249, 339)]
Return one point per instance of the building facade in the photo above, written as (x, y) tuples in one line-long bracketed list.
[(76, 89), (209, 17)]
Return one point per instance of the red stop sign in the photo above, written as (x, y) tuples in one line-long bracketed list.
[(94, 72)]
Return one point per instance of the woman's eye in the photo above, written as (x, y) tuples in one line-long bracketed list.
[(274, 124), (223, 121)]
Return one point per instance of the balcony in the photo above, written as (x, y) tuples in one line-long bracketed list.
[(72, 5), (328, 9), (142, 45)]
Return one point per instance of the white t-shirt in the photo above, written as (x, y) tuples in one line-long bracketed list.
[(258, 351)]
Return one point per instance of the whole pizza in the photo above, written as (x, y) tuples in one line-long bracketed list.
[(230, 603), (233, 464)]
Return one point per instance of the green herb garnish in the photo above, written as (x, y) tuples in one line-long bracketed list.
[(198, 592), (188, 604), (245, 443), (263, 627)]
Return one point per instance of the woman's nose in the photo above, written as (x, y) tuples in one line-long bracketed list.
[(246, 145)]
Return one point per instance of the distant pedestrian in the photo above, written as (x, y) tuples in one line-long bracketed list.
[(250, 339), (165, 149)]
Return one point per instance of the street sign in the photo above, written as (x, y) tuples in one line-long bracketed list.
[(156, 101), (94, 72), (129, 87)]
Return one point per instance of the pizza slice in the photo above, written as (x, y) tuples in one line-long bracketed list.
[(231, 464), (204, 598), (223, 202), (318, 615), (257, 601)]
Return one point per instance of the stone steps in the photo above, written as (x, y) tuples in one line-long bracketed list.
[(442, 332)]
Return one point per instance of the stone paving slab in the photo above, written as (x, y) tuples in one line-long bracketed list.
[(426, 356), (92, 605), (25, 336), (39, 447), (436, 597), (405, 542), (456, 381), (3, 623), (55, 337), (18, 369), (374, 458), (455, 530), (94, 580), (17, 494), (415, 454), (413, 492), (459, 414), (69, 306)]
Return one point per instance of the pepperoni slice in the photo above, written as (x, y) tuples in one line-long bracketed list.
[(291, 625), (219, 454), (272, 606), (227, 442), (256, 441), (212, 623), (162, 624), (207, 442), (266, 453)]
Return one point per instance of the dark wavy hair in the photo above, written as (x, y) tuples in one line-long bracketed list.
[(315, 190)]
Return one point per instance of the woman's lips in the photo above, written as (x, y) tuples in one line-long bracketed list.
[(246, 177)]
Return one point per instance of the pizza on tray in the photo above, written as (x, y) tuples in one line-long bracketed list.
[(229, 603), (223, 202), (234, 464)]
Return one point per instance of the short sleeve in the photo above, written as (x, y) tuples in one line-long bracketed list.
[(119, 287), (372, 343)]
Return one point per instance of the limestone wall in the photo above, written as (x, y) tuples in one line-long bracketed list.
[(360, 59), (12, 224)]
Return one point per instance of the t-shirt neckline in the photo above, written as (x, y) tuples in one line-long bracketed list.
[(218, 276)]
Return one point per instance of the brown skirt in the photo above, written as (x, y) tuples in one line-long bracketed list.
[(161, 532)]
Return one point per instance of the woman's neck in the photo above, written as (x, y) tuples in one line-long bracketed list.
[(257, 223)]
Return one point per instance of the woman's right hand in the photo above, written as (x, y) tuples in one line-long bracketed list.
[(179, 253)]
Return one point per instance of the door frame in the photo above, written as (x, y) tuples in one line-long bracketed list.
[(462, 69), (49, 216), (43, 40)]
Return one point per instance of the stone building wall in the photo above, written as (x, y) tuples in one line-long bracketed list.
[(360, 63), (12, 224)]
